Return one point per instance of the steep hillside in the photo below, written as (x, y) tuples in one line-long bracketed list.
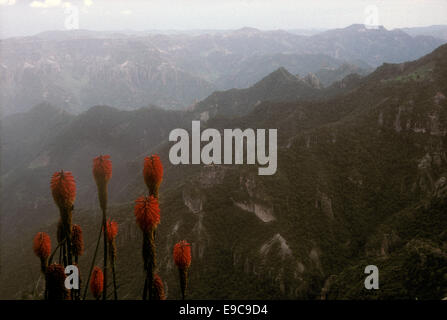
[(280, 85), (328, 76)]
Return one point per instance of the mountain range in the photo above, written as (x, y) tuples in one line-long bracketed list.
[(437, 31), (77, 69), (361, 180)]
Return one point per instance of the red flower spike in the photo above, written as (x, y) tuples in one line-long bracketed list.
[(112, 230), (42, 245), (153, 173), (147, 213), (97, 282), (102, 169), (55, 278), (77, 240), (63, 189), (182, 254)]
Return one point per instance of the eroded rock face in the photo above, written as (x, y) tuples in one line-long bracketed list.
[(264, 213), (409, 115), (428, 165), (279, 265), (204, 116), (314, 256), (193, 199), (440, 190), (257, 201), (324, 203), (435, 125), (313, 80), (397, 125), (279, 241)]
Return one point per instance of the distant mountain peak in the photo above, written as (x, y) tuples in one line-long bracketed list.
[(247, 30), (278, 86), (280, 74), (363, 27)]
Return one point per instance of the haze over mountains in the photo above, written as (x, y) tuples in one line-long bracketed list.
[(362, 170), (437, 31), (78, 69)]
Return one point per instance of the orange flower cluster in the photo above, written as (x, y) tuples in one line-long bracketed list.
[(77, 240), (153, 173), (97, 282), (112, 230), (42, 245), (147, 213), (102, 169), (63, 189), (182, 254)]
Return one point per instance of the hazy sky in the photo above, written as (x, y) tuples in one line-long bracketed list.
[(25, 17)]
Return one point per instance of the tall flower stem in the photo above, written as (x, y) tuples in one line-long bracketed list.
[(104, 225), (42, 249), (63, 189), (183, 281), (112, 257), (147, 213), (64, 253), (102, 172), (66, 215), (77, 292), (149, 262), (149, 218), (112, 231), (144, 296), (77, 246), (59, 246), (93, 263), (115, 292)]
